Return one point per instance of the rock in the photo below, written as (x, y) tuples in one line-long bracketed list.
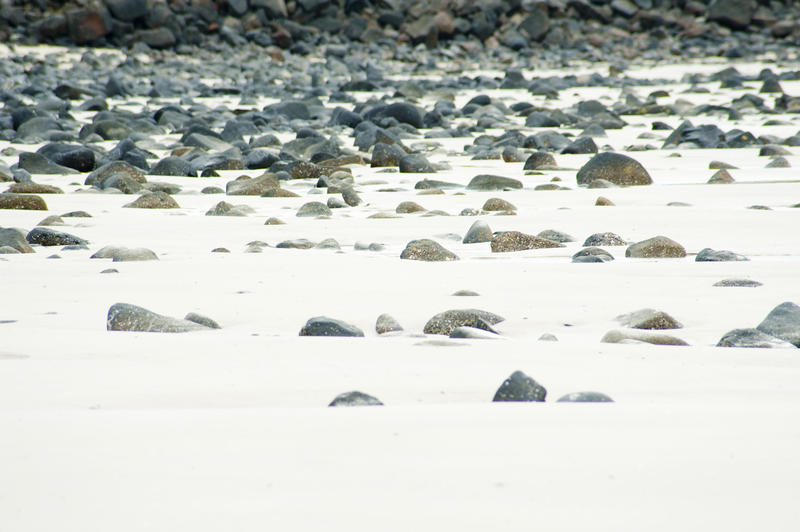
[(555, 236), (630, 336), (493, 182), (386, 323), (735, 14), (153, 200), (465, 293), (117, 169), (48, 237), (614, 167), (547, 337), (123, 254), (478, 232), (8, 250), (223, 208), (408, 207), (520, 388), (202, 320), (585, 397), (350, 197), (783, 322), (516, 241), (15, 239), (33, 188), (473, 333), (328, 243), (386, 155), (36, 163), (252, 187), (512, 155), (721, 177), (274, 221), (592, 254), (539, 159), (433, 184), (173, 166), (26, 202), (355, 398), (415, 163), (581, 145), (427, 250), (718, 165), (313, 209), (648, 318), (723, 255), (126, 317), (445, 322), (738, 283), (603, 202), (298, 243), (278, 193), (498, 204), (656, 247), (324, 326), (778, 162), (750, 338)]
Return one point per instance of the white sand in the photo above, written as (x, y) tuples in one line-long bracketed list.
[(229, 430)]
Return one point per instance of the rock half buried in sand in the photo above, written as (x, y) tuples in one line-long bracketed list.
[(750, 338), (15, 239), (445, 322), (313, 209), (199, 319), (648, 318), (516, 241), (47, 237), (355, 398), (723, 255), (386, 324), (605, 239), (427, 250), (126, 317), (154, 200), (625, 337), (539, 159), (415, 163), (473, 334), (614, 167), (324, 326), (123, 254), (25, 202), (477, 233), (585, 397), (738, 283), (783, 322), (656, 247), (252, 187), (520, 388), (493, 182), (592, 254)]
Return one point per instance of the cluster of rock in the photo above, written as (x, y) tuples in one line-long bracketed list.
[(518, 25)]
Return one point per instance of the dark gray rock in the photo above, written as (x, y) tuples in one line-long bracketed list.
[(614, 167), (520, 388), (648, 318), (445, 322), (478, 232), (36, 163), (355, 398), (415, 163), (427, 250), (783, 322), (493, 182), (581, 145), (313, 209), (324, 326), (252, 187), (33, 188), (126, 317), (174, 166), (297, 243), (15, 239), (386, 155), (735, 14), (199, 319), (585, 397), (750, 338), (656, 247), (723, 255), (48, 237), (223, 208)]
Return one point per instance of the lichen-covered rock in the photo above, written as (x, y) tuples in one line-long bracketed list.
[(27, 202), (48, 237)]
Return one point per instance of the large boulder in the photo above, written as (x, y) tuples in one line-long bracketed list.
[(783, 322), (615, 168)]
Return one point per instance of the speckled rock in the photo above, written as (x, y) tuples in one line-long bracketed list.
[(751, 338), (631, 336), (354, 398), (48, 237), (516, 241), (27, 202), (614, 167), (427, 250), (520, 388), (153, 200), (656, 247), (445, 322), (723, 255), (324, 326), (126, 317), (478, 232), (648, 318), (386, 324)]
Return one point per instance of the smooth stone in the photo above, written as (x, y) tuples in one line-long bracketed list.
[(324, 326), (199, 319), (478, 232), (123, 254), (778, 162), (298, 243), (603, 202), (547, 337), (445, 322), (313, 209), (738, 283), (386, 324), (751, 338), (33, 188), (252, 187), (126, 317), (515, 241), (223, 208), (350, 197), (36, 163), (8, 250), (555, 236), (27, 202), (354, 398), (615, 167), (53, 220), (415, 163), (48, 237), (783, 322), (99, 176), (493, 182), (328, 243), (723, 255), (585, 397), (539, 159), (274, 221), (630, 336), (604, 239), (648, 318), (498, 204), (721, 177), (718, 165), (153, 200), (519, 387), (427, 250), (13, 238), (408, 207), (473, 333), (656, 247), (465, 293)]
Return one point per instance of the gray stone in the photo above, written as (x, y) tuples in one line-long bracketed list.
[(473, 333), (516, 241), (540, 159), (632, 336), (407, 207), (493, 182), (324, 326), (123, 254), (126, 317), (355, 398), (710, 255), (427, 250), (297, 243), (656, 247), (750, 338), (555, 236), (223, 208), (15, 239), (252, 187), (415, 163), (48, 237), (445, 322), (478, 232), (585, 397), (604, 239), (498, 204), (614, 167), (520, 388), (313, 209), (738, 283), (648, 318), (199, 319), (547, 337), (386, 323), (153, 200), (592, 254), (783, 322)]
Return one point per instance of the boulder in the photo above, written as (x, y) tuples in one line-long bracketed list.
[(324, 326), (427, 250), (520, 388), (614, 167), (126, 317), (656, 247)]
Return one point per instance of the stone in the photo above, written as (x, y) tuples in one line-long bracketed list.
[(721, 177), (298, 243), (605, 239), (350, 197), (498, 204), (386, 324), (48, 237), (656, 247), (445, 322), (718, 165), (205, 321), (515, 241), (493, 182), (738, 283), (427, 250), (580, 145), (153, 200), (592, 254), (585, 397), (407, 207), (28, 202), (750, 338), (648, 318), (465, 293), (324, 326), (123, 254), (603, 202), (735, 14), (635, 336), (783, 322), (354, 398), (519, 387), (415, 163), (33, 188), (778, 162), (473, 334), (223, 208), (252, 187), (36, 163), (313, 209), (173, 166), (386, 155), (127, 317), (116, 168), (723, 255), (14, 239), (539, 159), (478, 232), (555, 236), (614, 167), (547, 337)]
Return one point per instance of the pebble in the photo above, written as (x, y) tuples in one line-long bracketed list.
[(751, 338), (386, 324), (478, 232), (355, 398), (408, 207)]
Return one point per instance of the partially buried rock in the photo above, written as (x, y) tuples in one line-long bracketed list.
[(324, 326), (721, 176), (656, 247), (445, 322), (256, 186), (605, 239), (297, 243), (473, 333), (648, 318), (202, 320), (415, 163), (313, 209), (15, 239), (48, 237), (126, 317), (630, 337), (520, 388), (427, 250), (614, 167), (750, 338), (585, 397), (723, 255), (33, 188), (516, 241), (223, 208), (478, 232), (603, 202), (493, 182), (498, 204), (738, 283), (123, 254), (27, 202), (355, 398), (153, 200), (408, 207), (555, 236), (783, 322), (538, 160), (386, 324)]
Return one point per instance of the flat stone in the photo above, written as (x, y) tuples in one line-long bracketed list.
[(126, 317), (445, 322), (123, 254), (33, 188), (738, 283), (407, 207), (631, 336), (493, 182)]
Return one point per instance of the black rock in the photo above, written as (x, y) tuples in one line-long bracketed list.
[(520, 388), (324, 326), (36, 163), (174, 166), (47, 237), (581, 145)]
